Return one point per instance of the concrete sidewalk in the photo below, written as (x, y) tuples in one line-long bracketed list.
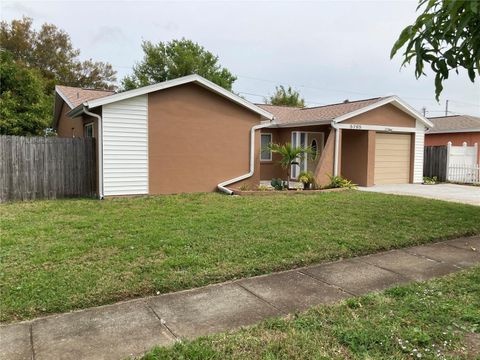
[(133, 327)]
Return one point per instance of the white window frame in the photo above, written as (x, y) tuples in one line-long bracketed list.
[(261, 150), (85, 129)]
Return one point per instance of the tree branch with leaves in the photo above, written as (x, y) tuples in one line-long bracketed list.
[(445, 36)]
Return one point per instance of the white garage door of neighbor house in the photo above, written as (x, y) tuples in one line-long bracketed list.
[(392, 158)]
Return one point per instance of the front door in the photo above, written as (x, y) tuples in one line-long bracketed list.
[(315, 141), (305, 139)]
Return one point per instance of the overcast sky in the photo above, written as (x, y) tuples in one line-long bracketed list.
[(328, 50)]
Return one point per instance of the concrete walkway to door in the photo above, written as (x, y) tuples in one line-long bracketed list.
[(131, 328), (465, 194)]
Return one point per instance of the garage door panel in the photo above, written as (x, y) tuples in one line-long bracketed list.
[(392, 158)]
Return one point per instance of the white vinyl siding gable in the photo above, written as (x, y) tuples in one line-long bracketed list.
[(125, 146), (419, 149)]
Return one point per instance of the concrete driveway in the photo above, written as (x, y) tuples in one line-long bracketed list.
[(449, 192)]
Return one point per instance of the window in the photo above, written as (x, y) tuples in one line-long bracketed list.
[(314, 147), (89, 130), (265, 153)]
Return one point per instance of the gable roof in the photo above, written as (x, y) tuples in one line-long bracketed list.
[(454, 123), (195, 79), (285, 115), (75, 96), (289, 116)]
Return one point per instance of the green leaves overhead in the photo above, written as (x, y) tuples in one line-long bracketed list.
[(174, 59), (51, 52), (445, 36)]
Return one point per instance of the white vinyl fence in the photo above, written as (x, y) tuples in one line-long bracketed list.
[(462, 164)]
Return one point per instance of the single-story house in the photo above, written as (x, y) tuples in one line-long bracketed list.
[(191, 135), (457, 129)]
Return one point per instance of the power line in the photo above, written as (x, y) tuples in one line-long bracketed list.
[(348, 91), (326, 89)]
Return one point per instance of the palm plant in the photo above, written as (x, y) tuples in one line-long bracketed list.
[(289, 155)]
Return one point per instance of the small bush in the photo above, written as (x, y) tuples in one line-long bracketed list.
[(244, 187), (308, 179), (430, 180), (277, 184), (340, 182), (263, 188)]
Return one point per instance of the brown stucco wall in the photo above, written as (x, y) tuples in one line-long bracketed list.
[(457, 139), (355, 159), (271, 169), (68, 127), (325, 164), (387, 115), (197, 139)]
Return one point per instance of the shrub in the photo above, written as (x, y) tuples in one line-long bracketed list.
[(307, 178), (430, 180), (263, 188), (340, 182), (244, 187), (277, 184)]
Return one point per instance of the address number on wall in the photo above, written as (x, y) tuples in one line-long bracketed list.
[(355, 126)]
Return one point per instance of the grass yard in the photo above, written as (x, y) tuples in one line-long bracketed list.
[(69, 254), (439, 319)]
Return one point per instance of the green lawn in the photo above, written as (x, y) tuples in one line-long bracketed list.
[(439, 319), (69, 254)]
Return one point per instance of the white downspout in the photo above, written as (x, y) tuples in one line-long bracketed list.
[(222, 186), (100, 151), (335, 151)]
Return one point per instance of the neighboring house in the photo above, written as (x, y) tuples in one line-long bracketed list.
[(457, 129), (190, 135)]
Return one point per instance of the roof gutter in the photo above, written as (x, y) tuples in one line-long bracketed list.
[(223, 185), (100, 149)]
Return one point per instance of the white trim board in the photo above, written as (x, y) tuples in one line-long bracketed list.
[(394, 100), (452, 131), (64, 98), (376, 128), (172, 83)]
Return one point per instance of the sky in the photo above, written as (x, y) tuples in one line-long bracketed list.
[(327, 50)]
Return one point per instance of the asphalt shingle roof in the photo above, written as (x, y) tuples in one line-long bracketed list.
[(290, 115), (454, 123), (77, 96)]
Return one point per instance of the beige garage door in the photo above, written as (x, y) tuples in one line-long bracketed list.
[(392, 158)]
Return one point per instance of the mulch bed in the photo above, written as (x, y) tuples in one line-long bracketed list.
[(283, 192)]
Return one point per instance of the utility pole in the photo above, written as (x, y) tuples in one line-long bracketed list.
[(424, 111), (446, 107)]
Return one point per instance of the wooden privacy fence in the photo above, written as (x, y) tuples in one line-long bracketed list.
[(435, 162), (46, 167)]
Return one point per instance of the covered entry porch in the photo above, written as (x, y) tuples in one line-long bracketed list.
[(366, 154)]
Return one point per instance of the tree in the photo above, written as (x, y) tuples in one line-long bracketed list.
[(177, 58), (25, 109), (289, 156), (50, 51), (447, 36), (287, 97)]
